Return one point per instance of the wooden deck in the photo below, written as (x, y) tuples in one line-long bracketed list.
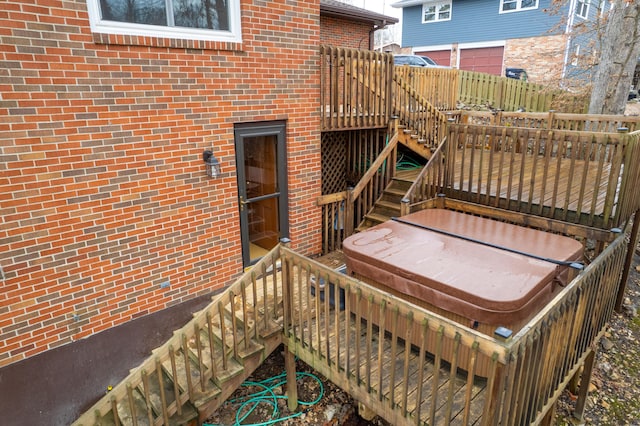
[(532, 182), (401, 377)]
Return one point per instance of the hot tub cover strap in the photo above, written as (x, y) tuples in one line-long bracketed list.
[(572, 264)]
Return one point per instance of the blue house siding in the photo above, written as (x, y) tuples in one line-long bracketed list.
[(582, 37), (478, 21)]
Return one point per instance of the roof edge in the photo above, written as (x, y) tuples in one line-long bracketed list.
[(341, 10)]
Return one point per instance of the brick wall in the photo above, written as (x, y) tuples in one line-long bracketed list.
[(103, 193), (344, 33), (542, 57)]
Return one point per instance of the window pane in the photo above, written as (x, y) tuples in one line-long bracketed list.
[(509, 5), (529, 3), (430, 13), (150, 12), (211, 14), (444, 11)]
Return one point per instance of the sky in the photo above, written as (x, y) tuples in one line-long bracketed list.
[(380, 6), (384, 7)]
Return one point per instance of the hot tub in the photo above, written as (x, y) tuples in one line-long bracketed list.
[(480, 272)]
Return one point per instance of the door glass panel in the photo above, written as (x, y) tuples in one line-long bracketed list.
[(260, 165), (260, 171), (263, 225)]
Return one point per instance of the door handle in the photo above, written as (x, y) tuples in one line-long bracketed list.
[(243, 202)]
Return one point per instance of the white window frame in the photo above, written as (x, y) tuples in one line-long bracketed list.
[(437, 5), (576, 56), (584, 5), (233, 35), (518, 8)]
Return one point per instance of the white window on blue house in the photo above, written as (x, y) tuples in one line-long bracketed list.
[(216, 20), (434, 12), (582, 8), (517, 5)]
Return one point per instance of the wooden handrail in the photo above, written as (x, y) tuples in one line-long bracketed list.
[(375, 166), (190, 332), (435, 161), (431, 119), (551, 120), (331, 198)]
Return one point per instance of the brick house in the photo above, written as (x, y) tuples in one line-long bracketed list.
[(112, 232), (492, 35)]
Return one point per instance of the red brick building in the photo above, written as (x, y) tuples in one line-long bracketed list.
[(108, 215)]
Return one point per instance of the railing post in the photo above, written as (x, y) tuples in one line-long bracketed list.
[(405, 207), (292, 383), (348, 213), (552, 116), (633, 242), (289, 359), (286, 288)]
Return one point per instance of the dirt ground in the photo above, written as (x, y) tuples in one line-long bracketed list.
[(633, 108)]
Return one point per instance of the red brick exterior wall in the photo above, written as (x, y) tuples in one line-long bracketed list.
[(344, 33), (103, 193)]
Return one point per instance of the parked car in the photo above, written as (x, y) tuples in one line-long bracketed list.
[(517, 73), (415, 61)]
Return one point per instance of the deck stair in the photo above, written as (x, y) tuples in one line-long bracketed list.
[(185, 380), (412, 140), (388, 205)]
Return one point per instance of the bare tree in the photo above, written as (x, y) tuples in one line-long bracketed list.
[(619, 50)]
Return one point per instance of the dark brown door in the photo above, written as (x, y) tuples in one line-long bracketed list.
[(262, 190)]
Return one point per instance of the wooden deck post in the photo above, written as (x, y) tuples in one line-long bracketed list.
[(405, 208), (585, 378), (349, 220), (292, 383), (633, 242)]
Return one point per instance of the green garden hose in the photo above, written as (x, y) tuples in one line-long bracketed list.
[(247, 404)]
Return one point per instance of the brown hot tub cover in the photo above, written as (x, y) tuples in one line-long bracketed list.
[(478, 282)]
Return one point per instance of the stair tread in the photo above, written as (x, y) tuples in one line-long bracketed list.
[(154, 400), (140, 408), (393, 190), (378, 217), (388, 204)]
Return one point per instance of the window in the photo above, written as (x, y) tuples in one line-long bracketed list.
[(517, 5), (217, 20), (582, 8), (434, 12), (576, 56)]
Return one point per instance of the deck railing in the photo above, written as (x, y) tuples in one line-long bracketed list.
[(550, 350), (342, 211), (354, 88), (550, 120), (430, 181), (360, 338), (629, 195), (192, 366), (416, 113), (439, 86), (579, 177)]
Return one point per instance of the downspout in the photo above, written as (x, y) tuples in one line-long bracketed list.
[(568, 31), (371, 36)]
